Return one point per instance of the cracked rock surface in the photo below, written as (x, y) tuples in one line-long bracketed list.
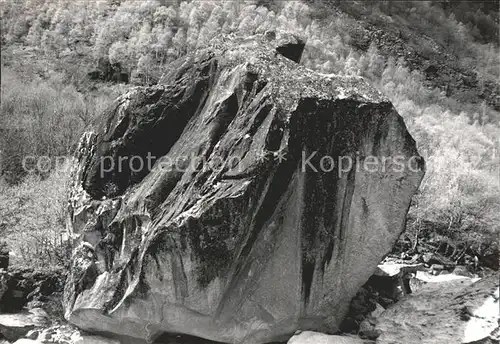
[(240, 232), (457, 311)]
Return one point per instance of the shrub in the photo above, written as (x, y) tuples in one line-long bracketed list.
[(41, 118), (32, 215), (460, 194)]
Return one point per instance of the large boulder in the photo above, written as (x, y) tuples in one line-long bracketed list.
[(274, 193)]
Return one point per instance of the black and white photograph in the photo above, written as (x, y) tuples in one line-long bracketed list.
[(249, 172)]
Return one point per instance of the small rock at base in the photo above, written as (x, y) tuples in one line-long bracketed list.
[(45, 337), (378, 311), (437, 267), (462, 270), (367, 329), (426, 257), (33, 334), (25, 341), (95, 340), (310, 337)]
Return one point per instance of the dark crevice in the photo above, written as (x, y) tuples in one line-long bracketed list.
[(281, 180), (119, 292), (163, 188), (152, 136), (260, 86), (169, 338), (259, 119), (210, 249), (227, 112), (250, 79), (307, 277), (275, 135), (328, 255), (380, 134), (292, 51), (279, 184), (121, 128), (346, 205)]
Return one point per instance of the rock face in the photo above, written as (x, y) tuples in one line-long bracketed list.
[(242, 231), (456, 311)]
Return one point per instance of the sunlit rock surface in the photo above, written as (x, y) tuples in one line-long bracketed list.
[(15, 326), (447, 312), (235, 235), (309, 337)]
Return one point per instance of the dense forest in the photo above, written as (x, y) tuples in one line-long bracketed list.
[(64, 62)]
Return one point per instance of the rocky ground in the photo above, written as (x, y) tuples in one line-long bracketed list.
[(399, 284), (31, 309), (403, 302), (450, 310)]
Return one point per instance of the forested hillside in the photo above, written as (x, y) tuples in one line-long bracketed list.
[(64, 61)]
